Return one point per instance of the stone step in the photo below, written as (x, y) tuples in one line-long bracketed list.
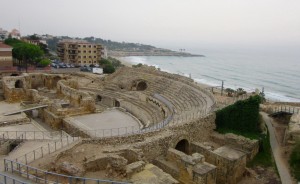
[(167, 166)]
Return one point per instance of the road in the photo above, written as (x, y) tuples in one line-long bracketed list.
[(282, 168)]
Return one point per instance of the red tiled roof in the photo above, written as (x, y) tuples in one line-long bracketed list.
[(2, 45)]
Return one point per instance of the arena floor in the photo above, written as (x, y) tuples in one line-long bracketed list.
[(108, 123)]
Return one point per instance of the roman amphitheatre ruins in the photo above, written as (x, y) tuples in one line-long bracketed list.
[(137, 125)]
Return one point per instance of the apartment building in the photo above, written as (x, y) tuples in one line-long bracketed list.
[(6, 59), (79, 52)]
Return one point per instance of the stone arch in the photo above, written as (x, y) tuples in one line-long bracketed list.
[(141, 86), (117, 103), (55, 80), (184, 146), (19, 84), (98, 98), (14, 74)]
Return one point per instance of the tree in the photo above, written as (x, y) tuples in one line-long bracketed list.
[(240, 91), (229, 92), (116, 63), (25, 52), (44, 62), (108, 69), (137, 65), (107, 66), (12, 41)]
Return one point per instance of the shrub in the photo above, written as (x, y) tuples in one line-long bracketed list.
[(242, 116), (295, 161), (44, 62)]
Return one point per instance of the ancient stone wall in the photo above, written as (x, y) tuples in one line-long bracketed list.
[(14, 88), (230, 169), (154, 144), (251, 147), (51, 119), (77, 98)]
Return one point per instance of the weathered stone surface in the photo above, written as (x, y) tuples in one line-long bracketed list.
[(135, 167), (70, 169), (153, 175)]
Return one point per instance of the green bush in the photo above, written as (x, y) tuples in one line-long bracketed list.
[(44, 62), (107, 66), (242, 116), (108, 69), (295, 161), (137, 65)]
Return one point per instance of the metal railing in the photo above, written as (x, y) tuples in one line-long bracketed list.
[(46, 149), (287, 109), (4, 178), (42, 176), (32, 135)]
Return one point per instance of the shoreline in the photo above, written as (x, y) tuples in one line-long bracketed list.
[(217, 91), (270, 95)]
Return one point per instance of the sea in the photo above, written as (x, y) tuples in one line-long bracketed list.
[(277, 75)]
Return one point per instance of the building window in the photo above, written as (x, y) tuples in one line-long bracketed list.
[(94, 51), (90, 46), (79, 56), (90, 56), (94, 46), (90, 62), (84, 61), (84, 56), (90, 51), (79, 51), (95, 56), (79, 45), (84, 46), (84, 51)]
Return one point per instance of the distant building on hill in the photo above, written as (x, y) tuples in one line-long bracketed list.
[(3, 34), (79, 52), (15, 34), (6, 59)]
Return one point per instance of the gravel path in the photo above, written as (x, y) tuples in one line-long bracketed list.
[(282, 168)]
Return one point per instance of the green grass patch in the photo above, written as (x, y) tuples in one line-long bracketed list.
[(264, 156), (295, 161)]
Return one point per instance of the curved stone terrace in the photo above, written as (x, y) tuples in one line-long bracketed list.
[(153, 99)]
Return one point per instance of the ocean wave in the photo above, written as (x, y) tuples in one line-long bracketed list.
[(279, 84)]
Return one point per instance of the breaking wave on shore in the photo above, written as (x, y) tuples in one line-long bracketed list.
[(279, 78)]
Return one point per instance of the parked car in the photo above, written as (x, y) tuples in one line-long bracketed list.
[(53, 65), (62, 65), (85, 69)]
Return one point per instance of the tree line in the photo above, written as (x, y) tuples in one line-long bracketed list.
[(27, 54)]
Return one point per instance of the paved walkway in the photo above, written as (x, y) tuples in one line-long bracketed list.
[(282, 168)]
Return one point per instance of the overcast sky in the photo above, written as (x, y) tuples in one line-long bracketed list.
[(169, 23)]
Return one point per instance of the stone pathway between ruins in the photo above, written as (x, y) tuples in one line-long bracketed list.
[(282, 168)]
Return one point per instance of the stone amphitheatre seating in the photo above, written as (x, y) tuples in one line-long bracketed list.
[(180, 91), (152, 96)]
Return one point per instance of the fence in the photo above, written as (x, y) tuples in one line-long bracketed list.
[(32, 135), (231, 101), (4, 178), (46, 149), (41, 176), (287, 109)]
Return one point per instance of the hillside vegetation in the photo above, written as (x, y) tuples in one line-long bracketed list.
[(122, 48)]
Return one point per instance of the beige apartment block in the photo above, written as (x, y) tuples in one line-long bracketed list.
[(79, 52), (6, 59)]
